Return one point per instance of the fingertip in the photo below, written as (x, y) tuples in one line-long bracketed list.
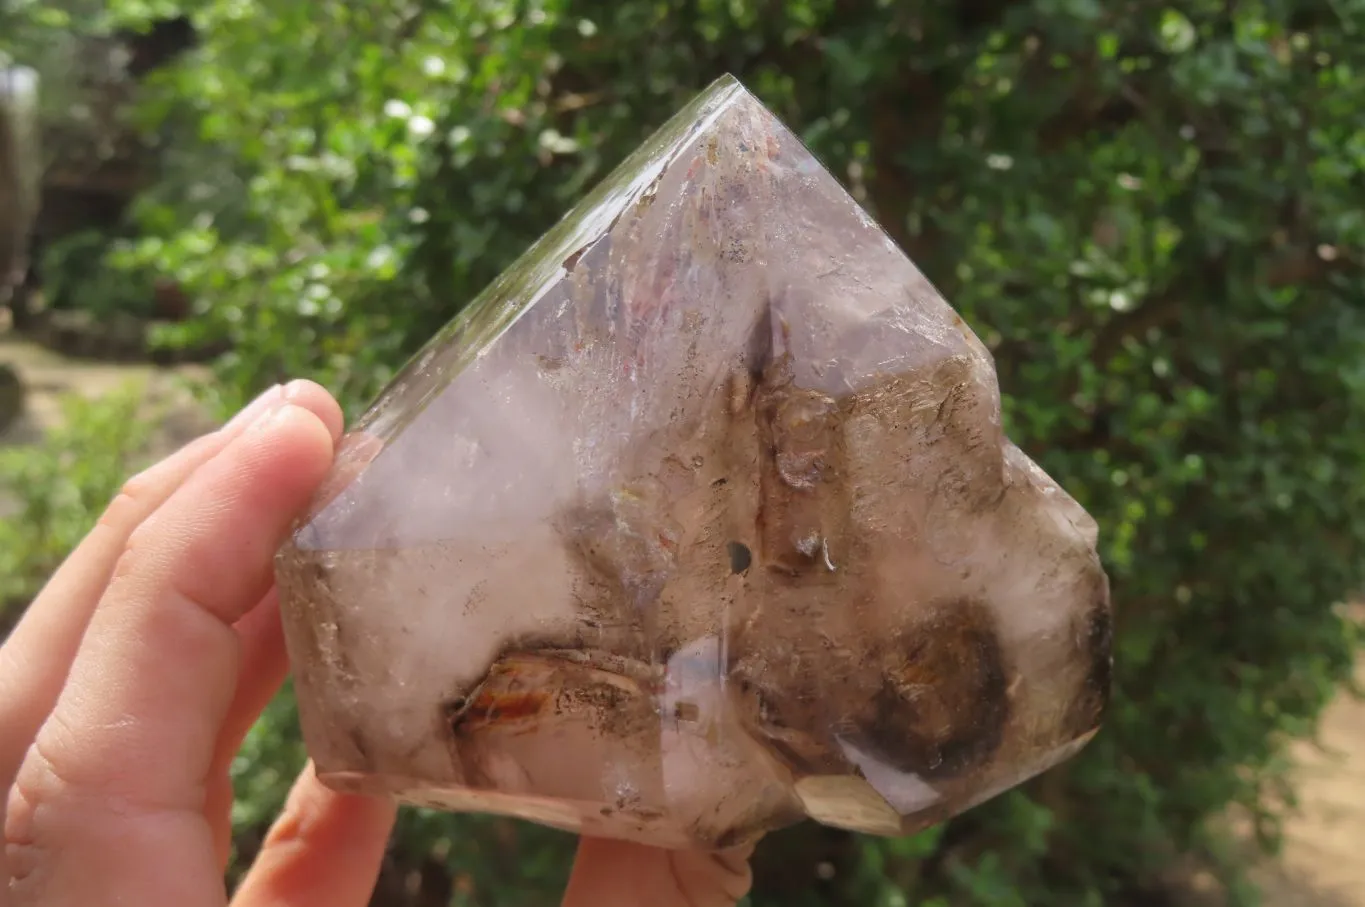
[(612, 873), (346, 824), (314, 397), (326, 848), (297, 442)]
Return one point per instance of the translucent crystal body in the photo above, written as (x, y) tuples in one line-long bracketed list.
[(699, 521)]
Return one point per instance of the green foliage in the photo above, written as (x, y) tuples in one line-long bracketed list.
[(92, 271), (1152, 215), (55, 490)]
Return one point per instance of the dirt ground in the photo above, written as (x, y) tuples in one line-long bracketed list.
[(1324, 860), (49, 377)]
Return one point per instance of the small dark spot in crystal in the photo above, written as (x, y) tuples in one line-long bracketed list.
[(740, 557)]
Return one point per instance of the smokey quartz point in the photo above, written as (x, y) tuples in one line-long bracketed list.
[(699, 521)]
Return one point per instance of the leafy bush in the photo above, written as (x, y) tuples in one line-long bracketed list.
[(84, 271), (1151, 216), (54, 491)]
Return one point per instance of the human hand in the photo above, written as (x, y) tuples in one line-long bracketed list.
[(132, 679)]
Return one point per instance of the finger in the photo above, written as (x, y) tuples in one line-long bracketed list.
[(261, 671), (610, 873), (35, 659), (264, 656), (326, 848), (115, 778)]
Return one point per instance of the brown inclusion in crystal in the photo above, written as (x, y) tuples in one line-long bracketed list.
[(700, 520)]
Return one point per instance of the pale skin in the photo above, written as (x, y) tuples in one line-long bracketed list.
[(128, 686)]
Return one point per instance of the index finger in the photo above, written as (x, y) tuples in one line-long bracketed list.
[(36, 657), (109, 802)]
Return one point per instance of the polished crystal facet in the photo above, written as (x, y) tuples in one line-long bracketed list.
[(699, 521)]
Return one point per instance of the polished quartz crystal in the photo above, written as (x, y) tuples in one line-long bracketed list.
[(699, 521)]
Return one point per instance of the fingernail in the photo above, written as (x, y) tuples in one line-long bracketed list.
[(273, 416), (314, 397), (267, 400), (295, 388), (282, 415)]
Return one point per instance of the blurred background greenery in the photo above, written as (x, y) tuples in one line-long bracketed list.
[(1154, 215)]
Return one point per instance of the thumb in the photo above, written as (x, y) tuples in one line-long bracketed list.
[(611, 873)]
